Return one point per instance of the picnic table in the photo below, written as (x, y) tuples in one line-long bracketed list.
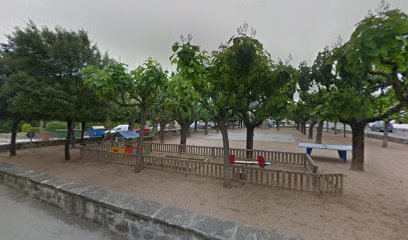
[(341, 149)]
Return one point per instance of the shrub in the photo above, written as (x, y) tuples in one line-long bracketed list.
[(26, 127)]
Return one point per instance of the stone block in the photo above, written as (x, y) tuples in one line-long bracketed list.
[(138, 228), (95, 193), (94, 212), (118, 200), (175, 216), (245, 232), (10, 180), (214, 228), (41, 178), (56, 183), (30, 173), (115, 221), (75, 188), (143, 208), (14, 170)]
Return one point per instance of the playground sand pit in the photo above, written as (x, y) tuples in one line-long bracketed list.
[(373, 206), (276, 166)]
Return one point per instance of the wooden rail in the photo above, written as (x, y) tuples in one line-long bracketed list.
[(291, 180), (271, 156)]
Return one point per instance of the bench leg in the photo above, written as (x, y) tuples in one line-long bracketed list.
[(343, 155), (309, 151)]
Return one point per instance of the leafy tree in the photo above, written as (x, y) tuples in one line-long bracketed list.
[(360, 75), (162, 108), (183, 102), (212, 87), (383, 40), (26, 90), (137, 88), (259, 86)]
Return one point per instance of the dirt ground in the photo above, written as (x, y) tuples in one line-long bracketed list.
[(374, 204)]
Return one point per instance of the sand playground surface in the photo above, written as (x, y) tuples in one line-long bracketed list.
[(374, 204)]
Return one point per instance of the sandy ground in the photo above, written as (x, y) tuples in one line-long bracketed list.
[(373, 206)]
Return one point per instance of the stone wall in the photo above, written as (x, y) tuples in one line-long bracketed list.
[(133, 218)]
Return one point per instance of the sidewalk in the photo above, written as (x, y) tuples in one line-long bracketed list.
[(24, 218)]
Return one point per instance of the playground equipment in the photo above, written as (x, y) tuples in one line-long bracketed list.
[(121, 142), (96, 131), (151, 134)]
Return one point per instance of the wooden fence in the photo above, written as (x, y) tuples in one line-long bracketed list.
[(272, 156), (291, 180)]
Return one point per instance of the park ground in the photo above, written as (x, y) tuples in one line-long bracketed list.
[(374, 204)]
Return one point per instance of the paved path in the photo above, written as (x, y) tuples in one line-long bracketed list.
[(22, 217)]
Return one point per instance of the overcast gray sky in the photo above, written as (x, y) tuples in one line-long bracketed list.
[(133, 30)]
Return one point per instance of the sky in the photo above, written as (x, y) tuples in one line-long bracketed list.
[(133, 30)]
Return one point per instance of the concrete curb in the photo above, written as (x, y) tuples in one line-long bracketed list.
[(130, 217)]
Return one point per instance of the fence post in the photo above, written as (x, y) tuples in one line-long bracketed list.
[(318, 184)]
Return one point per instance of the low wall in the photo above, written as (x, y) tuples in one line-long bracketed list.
[(45, 143), (130, 217), (390, 138)]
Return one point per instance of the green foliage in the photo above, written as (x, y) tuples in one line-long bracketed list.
[(382, 39), (26, 127), (42, 80), (54, 125)]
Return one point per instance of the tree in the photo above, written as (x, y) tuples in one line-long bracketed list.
[(162, 109), (137, 88), (360, 76), (383, 37), (182, 102), (212, 86), (260, 85), (148, 78)]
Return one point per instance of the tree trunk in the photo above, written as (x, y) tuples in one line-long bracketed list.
[(162, 131), (68, 140), (206, 128), (335, 128), (298, 126), (14, 128), (183, 132), (304, 128), (277, 125), (311, 126), (225, 142), (131, 123), (195, 126), (327, 126), (319, 133), (385, 135), (357, 162), (73, 140), (139, 162), (249, 140), (344, 129), (82, 131)]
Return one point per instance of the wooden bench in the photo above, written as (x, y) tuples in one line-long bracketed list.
[(341, 149)]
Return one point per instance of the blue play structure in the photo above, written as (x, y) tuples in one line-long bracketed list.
[(96, 131)]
